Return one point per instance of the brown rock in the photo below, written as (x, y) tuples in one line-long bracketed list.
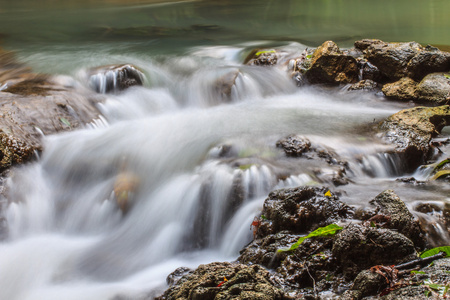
[(403, 89), (411, 130), (329, 65), (222, 281)]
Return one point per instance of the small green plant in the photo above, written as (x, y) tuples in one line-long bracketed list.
[(65, 121), (264, 51), (329, 230)]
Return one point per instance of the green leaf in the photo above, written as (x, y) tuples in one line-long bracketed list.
[(418, 272), (435, 251), (308, 56), (329, 230), (65, 121), (263, 217), (447, 76), (264, 51)]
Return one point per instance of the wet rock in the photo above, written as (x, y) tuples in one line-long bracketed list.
[(368, 71), (13, 151), (263, 251), (400, 218), (36, 106), (403, 89), (242, 282), (224, 84), (125, 187), (176, 275), (329, 65), (434, 218), (398, 60), (437, 273), (428, 60), (367, 85), (114, 78), (359, 247), (300, 210), (434, 89), (310, 263), (367, 283), (411, 130), (366, 43), (392, 58), (262, 57), (294, 145), (298, 146)]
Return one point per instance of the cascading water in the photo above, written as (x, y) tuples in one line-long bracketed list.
[(203, 170)]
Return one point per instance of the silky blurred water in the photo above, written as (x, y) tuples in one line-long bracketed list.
[(203, 162)]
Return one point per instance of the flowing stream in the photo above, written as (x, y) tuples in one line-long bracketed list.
[(202, 163)]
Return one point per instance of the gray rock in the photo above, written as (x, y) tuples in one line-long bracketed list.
[(398, 60), (300, 210), (434, 89), (400, 218), (114, 78), (294, 145), (358, 247)]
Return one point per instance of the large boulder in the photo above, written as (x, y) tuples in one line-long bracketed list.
[(331, 66), (220, 281), (411, 130), (398, 60), (33, 105)]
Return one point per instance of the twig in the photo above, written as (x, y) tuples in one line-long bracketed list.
[(314, 282), (420, 261)]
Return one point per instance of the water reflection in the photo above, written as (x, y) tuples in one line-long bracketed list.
[(174, 25)]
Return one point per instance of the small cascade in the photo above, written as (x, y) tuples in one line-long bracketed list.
[(382, 165), (112, 79)]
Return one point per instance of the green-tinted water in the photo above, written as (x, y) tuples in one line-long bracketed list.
[(169, 27)]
